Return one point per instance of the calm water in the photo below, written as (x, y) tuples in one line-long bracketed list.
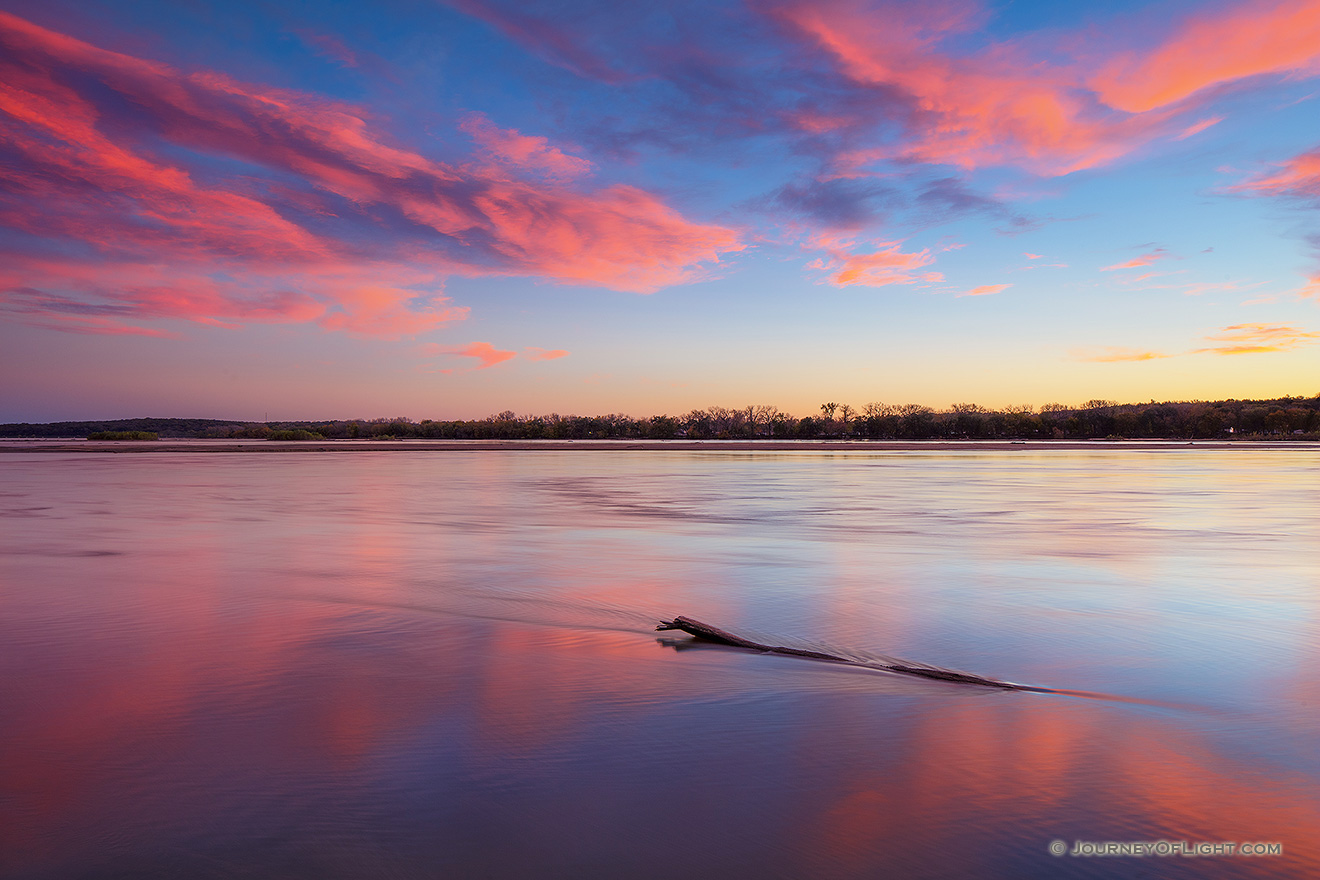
[(413, 664)]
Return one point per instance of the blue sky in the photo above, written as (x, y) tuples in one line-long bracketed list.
[(444, 210)]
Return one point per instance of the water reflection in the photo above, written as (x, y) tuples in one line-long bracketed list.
[(444, 665)]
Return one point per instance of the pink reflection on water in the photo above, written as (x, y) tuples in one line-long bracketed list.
[(377, 645)]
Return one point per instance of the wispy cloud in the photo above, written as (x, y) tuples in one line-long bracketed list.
[(1299, 177), (1116, 354), (541, 354), (986, 290), (1199, 288), (1144, 260), (555, 43), (1211, 49), (332, 221), (511, 147), (366, 299), (1002, 105), (486, 354), (1231, 340), (992, 108), (1198, 127), (83, 130), (1258, 339), (888, 265), (855, 82), (328, 46)]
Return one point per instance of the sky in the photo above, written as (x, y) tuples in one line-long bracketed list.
[(275, 209)]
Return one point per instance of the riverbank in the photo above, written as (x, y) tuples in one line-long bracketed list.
[(871, 446)]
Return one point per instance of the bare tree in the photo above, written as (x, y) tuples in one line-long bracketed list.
[(765, 415), (828, 410)]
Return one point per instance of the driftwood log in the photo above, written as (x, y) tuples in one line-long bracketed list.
[(708, 633)]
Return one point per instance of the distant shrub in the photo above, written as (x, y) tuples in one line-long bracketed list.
[(295, 434), (122, 435)]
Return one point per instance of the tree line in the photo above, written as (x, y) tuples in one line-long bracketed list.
[(1287, 417)]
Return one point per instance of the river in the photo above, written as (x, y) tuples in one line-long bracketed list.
[(444, 664)]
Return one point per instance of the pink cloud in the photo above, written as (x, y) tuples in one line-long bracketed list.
[(990, 108), (1198, 127), (1236, 339), (814, 122), (1210, 49), (557, 45), (620, 237), (38, 309), (486, 353), (1144, 260), (522, 151), (119, 293), (1034, 256), (1008, 103), (541, 354), (986, 290), (106, 191), (94, 190), (117, 297), (385, 311), (1258, 339), (1299, 177), (859, 83), (328, 47), (889, 265), (1117, 355)]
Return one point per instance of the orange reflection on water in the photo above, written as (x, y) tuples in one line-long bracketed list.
[(1031, 769), (472, 636)]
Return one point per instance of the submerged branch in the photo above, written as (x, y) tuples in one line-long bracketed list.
[(706, 632)]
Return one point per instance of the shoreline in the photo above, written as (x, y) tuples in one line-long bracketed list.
[(862, 446)]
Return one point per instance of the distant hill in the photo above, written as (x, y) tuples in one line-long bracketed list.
[(160, 427)]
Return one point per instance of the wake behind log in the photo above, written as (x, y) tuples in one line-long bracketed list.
[(708, 633)]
